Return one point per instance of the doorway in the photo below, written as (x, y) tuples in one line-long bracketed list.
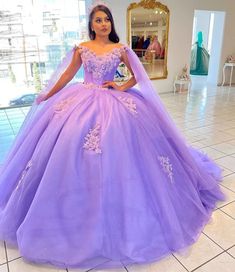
[(211, 26)]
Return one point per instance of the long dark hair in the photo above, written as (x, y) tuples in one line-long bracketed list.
[(112, 35)]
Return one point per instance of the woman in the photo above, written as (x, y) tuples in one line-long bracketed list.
[(99, 175)]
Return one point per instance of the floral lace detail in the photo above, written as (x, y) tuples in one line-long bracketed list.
[(129, 103), (100, 65), (63, 105), (28, 166), (93, 86), (167, 167), (92, 139)]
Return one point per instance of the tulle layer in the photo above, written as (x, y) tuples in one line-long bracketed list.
[(99, 180)]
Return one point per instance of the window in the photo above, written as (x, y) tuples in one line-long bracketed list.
[(34, 37)]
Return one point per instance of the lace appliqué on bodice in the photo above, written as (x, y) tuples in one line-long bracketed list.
[(167, 167), (92, 139), (100, 65)]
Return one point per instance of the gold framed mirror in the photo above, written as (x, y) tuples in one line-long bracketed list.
[(147, 35)]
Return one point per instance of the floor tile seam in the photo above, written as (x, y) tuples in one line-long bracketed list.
[(221, 166), (213, 144), (219, 150), (195, 269), (93, 268), (230, 254), (221, 184), (15, 259), (229, 173), (180, 263), (226, 213), (215, 158), (201, 133), (124, 266), (233, 127), (221, 142), (229, 249), (213, 241), (232, 135), (5, 246), (202, 126), (225, 142)]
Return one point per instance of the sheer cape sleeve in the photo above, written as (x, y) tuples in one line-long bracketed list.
[(197, 161), (37, 111)]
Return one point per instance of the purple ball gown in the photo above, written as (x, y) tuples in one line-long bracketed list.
[(99, 176)]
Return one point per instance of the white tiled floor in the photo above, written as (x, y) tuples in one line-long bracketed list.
[(207, 120)]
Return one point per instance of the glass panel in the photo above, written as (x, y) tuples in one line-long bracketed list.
[(34, 37)]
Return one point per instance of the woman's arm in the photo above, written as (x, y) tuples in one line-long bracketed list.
[(130, 83), (68, 74)]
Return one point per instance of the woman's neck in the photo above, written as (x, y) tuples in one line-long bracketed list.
[(102, 40)]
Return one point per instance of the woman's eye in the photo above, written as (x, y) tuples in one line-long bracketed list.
[(98, 21), (107, 19)]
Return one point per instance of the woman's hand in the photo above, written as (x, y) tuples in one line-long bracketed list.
[(113, 85), (40, 98)]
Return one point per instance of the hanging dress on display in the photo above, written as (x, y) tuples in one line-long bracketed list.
[(199, 58)]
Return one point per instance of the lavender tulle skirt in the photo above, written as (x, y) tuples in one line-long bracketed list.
[(99, 180)]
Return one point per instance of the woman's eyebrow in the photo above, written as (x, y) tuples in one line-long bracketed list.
[(101, 17)]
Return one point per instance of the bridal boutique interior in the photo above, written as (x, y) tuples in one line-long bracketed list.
[(205, 115)]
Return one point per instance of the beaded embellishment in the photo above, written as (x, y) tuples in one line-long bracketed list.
[(94, 86), (92, 140), (100, 65), (28, 166), (62, 105), (167, 167), (129, 103)]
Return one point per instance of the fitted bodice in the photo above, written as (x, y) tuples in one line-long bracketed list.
[(99, 68)]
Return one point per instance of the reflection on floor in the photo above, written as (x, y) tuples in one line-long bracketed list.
[(208, 122), (198, 82)]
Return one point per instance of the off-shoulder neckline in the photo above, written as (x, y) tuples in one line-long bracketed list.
[(103, 54)]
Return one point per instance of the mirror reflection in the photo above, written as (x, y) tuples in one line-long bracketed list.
[(148, 26)]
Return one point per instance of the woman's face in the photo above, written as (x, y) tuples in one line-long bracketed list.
[(101, 24)]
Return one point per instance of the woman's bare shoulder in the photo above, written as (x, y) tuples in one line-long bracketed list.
[(85, 43), (119, 45)]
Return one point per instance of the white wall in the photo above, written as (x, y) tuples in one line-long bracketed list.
[(180, 32), (202, 24), (217, 41)]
